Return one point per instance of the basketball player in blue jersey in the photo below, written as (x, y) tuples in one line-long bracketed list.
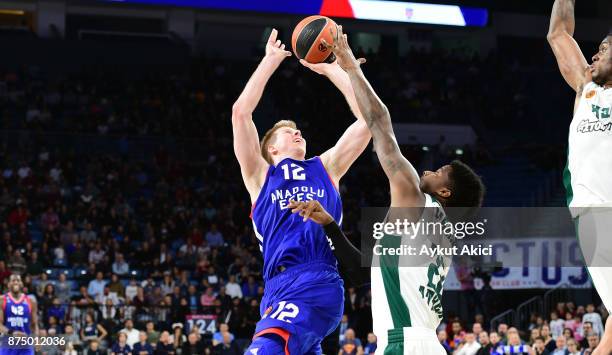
[(17, 315), (304, 295)]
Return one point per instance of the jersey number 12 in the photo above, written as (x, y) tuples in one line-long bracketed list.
[(293, 171)]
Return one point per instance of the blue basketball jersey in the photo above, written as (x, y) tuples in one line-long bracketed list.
[(17, 313), (284, 238)]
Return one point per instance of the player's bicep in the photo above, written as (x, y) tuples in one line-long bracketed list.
[(570, 59)]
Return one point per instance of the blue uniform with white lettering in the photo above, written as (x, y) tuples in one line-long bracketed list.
[(17, 317), (304, 294)]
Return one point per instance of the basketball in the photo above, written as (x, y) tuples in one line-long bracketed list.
[(306, 39)]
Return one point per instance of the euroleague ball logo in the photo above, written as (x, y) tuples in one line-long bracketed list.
[(322, 47)]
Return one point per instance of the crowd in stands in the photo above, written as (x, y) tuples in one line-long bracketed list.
[(119, 251), (567, 330)]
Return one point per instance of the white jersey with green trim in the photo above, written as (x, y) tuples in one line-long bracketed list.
[(588, 175), (408, 296)]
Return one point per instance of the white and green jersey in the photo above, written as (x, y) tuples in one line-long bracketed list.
[(588, 174), (408, 296)]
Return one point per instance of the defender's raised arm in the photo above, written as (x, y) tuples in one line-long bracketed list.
[(572, 63), (403, 178)]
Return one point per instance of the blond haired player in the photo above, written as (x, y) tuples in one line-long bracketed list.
[(588, 175), (304, 294)]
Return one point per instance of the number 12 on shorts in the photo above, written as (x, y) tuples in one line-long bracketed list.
[(285, 312)]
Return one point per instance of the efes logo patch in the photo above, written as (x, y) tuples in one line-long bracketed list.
[(590, 94)]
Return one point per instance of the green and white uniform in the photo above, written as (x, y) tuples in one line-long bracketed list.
[(407, 301), (588, 182)]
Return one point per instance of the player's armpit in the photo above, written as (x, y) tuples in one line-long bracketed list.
[(338, 159)]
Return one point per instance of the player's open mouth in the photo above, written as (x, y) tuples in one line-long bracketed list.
[(297, 140)]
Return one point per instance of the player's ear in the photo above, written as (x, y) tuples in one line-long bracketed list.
[(443, 192)]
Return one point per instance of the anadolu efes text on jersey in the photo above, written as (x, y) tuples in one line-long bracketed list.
[(284, 238), (17, 313)]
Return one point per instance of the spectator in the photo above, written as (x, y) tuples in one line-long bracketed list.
[(107, 295), (71, 337), (469, 345), (556, 325), (34, 267), (214, 238), (594, 318), (49, 220), (232, 288), (19, 215), (539, 346), (485, 344), (587, 330), (91, 330), (116, 287), (193, 346), (249, 288), (63, 288), (593, 341), (573, 347), (121, 347), (131, 290), (443, 339), (88, 235), (96, 286), (177, 338), (350, 345), (227, 346), (142, 347), (16, 262), (458, 334), (561, 348), (152, 334), (120, 267), (97, 254), (549, 343), (131, 333), (208, 298), (218, 336), (94, 349), (495, 340), (370, 347), (164, 346), (477, 329), (70, 349)]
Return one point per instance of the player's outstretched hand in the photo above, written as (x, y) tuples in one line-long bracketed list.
[(345, 57), (321, 68), (311, 210), (275, 49)]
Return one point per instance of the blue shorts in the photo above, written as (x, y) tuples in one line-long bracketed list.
[(307, 302)]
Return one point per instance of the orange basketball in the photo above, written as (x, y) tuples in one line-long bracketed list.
[(306, 39)]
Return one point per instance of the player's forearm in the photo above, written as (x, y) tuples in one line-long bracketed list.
[(348, 256), (374, 112), (342, 81), (376, 115), (562, 18), (250, 96)]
